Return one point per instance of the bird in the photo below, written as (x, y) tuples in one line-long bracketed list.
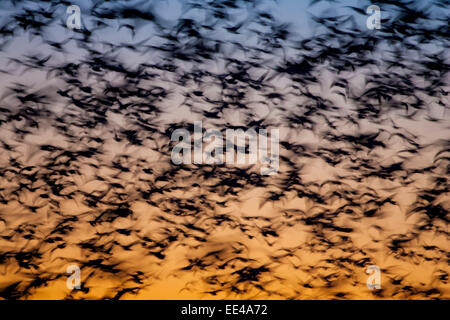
[(86, 176)]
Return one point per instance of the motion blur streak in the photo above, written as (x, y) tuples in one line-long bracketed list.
[(86, 179)]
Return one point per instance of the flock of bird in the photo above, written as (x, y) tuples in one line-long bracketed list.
[(86, 178)]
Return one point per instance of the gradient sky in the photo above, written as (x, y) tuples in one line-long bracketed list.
[(166, 279)]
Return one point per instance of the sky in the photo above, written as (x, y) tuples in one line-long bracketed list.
[(279, 227)]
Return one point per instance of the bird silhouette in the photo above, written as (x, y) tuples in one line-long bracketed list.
[(86, 175)]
